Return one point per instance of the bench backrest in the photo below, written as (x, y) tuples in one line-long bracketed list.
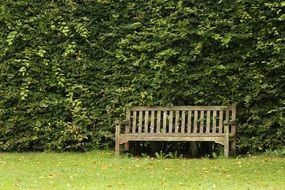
[(179, 119)]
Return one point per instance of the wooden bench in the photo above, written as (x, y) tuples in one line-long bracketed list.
[(179, 123)]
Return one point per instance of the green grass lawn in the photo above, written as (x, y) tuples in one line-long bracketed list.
[(103, 170)]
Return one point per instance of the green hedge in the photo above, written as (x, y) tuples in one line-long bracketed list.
[(67, 68)]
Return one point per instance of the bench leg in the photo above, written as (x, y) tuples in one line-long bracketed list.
[(226, 149), (117, 148), (117, 138), (233, 148), (226, 142), (193, 148), (127, 146)]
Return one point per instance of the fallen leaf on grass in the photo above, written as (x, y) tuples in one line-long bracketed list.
[(52, 175)]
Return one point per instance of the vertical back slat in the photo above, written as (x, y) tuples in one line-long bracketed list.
[(189, 122), (214, 128), (146, 122), (227, 116), (201, 121), (152, 122), (176, 121), (208, 122), (128, 118), (233, 129), (183, 122), (195, 121), (134, 125), (164, 121), (158, 121), (221, 118), (170, 121), (140, 121)]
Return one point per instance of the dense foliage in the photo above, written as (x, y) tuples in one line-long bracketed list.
[(68, 68)]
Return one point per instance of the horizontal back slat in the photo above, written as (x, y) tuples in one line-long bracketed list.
[(178, 108)]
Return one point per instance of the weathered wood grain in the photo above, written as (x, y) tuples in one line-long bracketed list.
[(195, 121), (134, 125), (170, 121), (146, 121), (164, 121), (128, 119), (214, 128), (179, 123), (201, 130), (189, 122), (178, 108), (140, 121), (152, 122), (158, 121), (183, 121), (177, 116), (117, 137), (233, 131), (221, 119), (208, 121)]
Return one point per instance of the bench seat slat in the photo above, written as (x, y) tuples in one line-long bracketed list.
[(172, 137)]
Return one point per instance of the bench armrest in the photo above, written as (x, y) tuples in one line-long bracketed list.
[(229, 122), (125, 122), (119, 124)]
